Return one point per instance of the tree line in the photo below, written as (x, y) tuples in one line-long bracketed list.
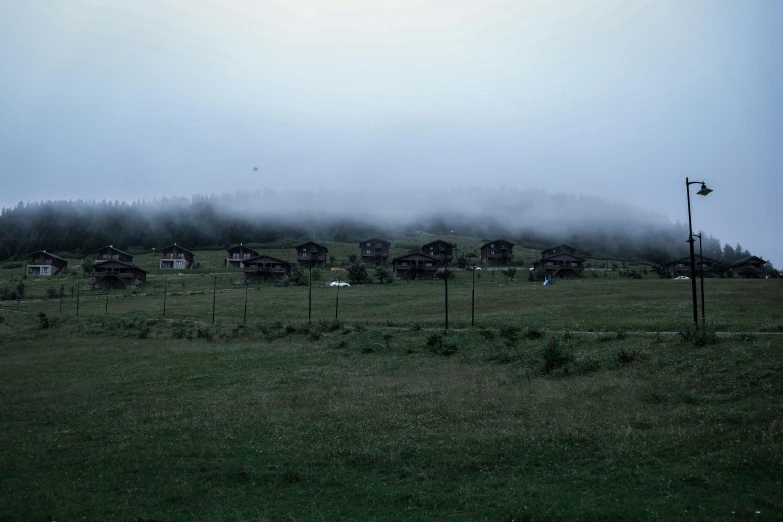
[(79, 227)]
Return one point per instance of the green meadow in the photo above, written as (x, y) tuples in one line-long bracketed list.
[(562, 403)]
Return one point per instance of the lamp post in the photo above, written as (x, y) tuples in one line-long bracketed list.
[(703, 191), (701, 278), (473, 298)]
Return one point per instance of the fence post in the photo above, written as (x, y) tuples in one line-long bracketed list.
[(214, 297), (244, 320)]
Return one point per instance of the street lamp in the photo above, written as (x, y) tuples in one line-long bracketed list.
[(701, 277), (703, 191)]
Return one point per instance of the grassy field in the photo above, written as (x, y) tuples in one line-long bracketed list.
[(119, 413), (593, 303), (122, 417)]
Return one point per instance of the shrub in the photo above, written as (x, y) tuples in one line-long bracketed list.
[(437, 344), (555, 357), (205, 333), (43, 321), (626, 356), (534, 333), (699, 336)]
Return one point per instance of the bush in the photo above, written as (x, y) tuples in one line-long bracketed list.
[(699, 336), (437, 344), (43, 321), (357, 274), (626, 357), (555, 356)]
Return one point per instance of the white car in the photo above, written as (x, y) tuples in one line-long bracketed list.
[(681, 277), (474, 267), (338, 283)]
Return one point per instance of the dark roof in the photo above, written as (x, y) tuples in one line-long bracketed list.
[(438, 241), (562, 254), (129, 265), (498, 241), (413, 254), (561, 245), (229, 249), (312, 243), (113, 248), (745, 260), (688, 258), (178, 246), (269, 257), (48, 254), (375, 239)]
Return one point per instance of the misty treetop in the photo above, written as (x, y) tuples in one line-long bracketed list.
[(596, 227)]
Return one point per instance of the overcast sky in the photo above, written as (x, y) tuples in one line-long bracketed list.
[(146, 98)]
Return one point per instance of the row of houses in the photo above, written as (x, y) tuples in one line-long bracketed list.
[(751, 266), (116, 269)]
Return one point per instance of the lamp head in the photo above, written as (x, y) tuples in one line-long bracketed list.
[(703, 191)]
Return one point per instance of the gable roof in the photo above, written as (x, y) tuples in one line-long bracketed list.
[(498, 241), (114, 261), (111, 247), (177, 246), (745, 260), (553, 256), (374, 239), (312, 243), (566, 245), (413, 255), (48, 254), (268, 257), (452, 245), (241, 245), (688, 258)]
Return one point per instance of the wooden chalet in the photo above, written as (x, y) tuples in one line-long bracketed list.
[(109, 253), (560, 261), (177, 257), (682, 266), (311, 254), (265, 268), (237, 255), (443, 251), (498, 252), (375, 251), (415, 266), (751, 267), (44, 264), (117, 274)]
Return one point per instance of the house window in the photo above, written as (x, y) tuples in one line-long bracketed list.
[(427, 264), (368, 251), (368, 244), (492, 245)]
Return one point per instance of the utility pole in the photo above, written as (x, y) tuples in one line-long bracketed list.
[(446, 280), (78, 289), (106, 310), (165, 288), (337, 300), (473, 299)]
